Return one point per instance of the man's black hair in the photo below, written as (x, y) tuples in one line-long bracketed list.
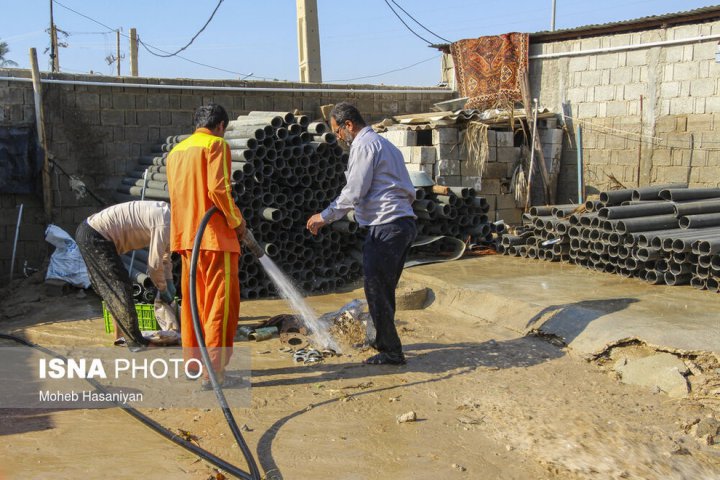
[(210, 116), (345, 111)]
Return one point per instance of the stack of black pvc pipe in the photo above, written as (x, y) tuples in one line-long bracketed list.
[(544, 234), (284, 169), (456, 212), (664, 235), (144, 290)]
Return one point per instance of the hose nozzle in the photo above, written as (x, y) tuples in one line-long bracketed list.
[(250, 242)]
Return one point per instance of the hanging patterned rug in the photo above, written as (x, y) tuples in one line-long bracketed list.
[(489, 69)]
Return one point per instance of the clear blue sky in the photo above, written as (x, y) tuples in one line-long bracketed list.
[(358, 39)]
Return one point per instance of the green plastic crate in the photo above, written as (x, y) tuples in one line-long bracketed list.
[(145, 313)]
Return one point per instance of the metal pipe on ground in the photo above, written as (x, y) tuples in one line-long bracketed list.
[(242, 143), (161, 177), (684, 244), (708, 247), (654, 238), (681, 194), (702, 272), (615, 197), (317, 128), (561, 211), (631, 211), (698, 207), (541, 210), (275, 121), (702, 220), (698, 283), (654, 277), (287, 117), (673, 280), (138, 182), (653, 192), (592, 205), (152, 160), (150, 193), (246, 132), (705, 261), (642, 224), (137, 276), (646, 254)]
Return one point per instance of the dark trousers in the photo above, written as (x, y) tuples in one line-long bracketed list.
[(111, 281), (384, 253)]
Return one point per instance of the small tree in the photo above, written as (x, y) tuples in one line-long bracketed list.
[(4, 51)]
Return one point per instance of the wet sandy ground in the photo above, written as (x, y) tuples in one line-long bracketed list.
[(490, 403)]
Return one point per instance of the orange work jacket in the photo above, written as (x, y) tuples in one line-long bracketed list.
[(198, 173)]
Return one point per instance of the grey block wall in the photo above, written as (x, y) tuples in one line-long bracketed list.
[(649, 115), (97, 133)]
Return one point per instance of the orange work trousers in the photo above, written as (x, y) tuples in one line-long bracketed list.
[(218, 300)]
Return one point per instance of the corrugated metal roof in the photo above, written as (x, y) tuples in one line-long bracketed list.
[(642, 23), (697, 15)]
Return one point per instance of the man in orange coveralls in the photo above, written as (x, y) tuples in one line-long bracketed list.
[(198, 172)]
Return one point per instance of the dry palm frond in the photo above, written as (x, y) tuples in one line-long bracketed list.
[(519, 186), (615, 184), (475, 145)]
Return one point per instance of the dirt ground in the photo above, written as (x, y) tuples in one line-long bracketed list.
[(489, 405)]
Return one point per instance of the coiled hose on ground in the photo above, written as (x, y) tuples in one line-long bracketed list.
[(149, 422), (254, 472), (144, 419)]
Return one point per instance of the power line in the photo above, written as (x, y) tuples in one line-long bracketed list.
[(406, 25), (423, 26), (385, 73), (85, 16), (147, 47), (194, 37)]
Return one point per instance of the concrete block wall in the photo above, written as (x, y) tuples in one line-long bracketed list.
[(97, 133), (444, 159), (649, 115)]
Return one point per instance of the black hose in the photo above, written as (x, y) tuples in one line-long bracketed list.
[(254, 472), (144, 419)]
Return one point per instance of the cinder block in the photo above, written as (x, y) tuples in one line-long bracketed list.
[(442, 135), (496, 170), (418, 155), (449, 180), (548, 123), (505, 202), (511, 216), (448, 167), (554, 135), (418, 167), (489, 186), (508, 154), (492, 154), (448, 151), (472, 182), (504, 139), (401, 138), (491, 138)]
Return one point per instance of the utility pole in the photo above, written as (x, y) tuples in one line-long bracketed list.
[(308, 33), (54, 57), (117, 42), (133, 53), (552, 20)]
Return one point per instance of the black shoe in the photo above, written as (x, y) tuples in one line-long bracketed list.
[(386, 358)]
